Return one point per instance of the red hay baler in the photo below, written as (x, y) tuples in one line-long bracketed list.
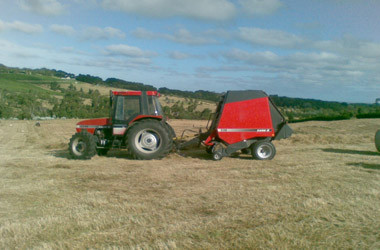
[(244, 120)]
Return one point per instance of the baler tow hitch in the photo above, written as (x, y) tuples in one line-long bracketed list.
[(181, 143)]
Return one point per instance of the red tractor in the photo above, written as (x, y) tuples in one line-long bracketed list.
[(136, 123), (246, 121)]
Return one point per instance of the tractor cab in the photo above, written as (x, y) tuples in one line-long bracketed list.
[(130, 106)]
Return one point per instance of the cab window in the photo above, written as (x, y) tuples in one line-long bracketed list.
[(127, 107), (154, 107)]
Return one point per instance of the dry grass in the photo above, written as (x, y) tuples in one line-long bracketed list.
[(321, 191)]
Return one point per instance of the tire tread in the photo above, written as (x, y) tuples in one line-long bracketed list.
[(91, 147)]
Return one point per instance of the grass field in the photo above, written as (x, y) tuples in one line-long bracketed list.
[(24, 83), (322, 190)]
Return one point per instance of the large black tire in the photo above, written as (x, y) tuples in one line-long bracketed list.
[(263, 150), (82, 145), (377, 140), (170, 130), (149, 139)]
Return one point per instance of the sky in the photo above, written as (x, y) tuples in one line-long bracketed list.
[(320, 49)]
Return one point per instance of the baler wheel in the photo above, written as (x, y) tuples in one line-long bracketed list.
[(148, 139), (217, 156), (217, 151), (263, 150), (377, 140), (82, 145)]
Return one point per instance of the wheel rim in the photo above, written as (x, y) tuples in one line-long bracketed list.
[(78, 147), (148, 141), (217, 156), (264, 151)]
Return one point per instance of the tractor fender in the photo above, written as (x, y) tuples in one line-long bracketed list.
[(169, 128), (142, 117)]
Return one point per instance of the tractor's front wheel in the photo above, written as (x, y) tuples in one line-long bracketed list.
[(263, 150), (377, 140), (149, 139), (82, 145)]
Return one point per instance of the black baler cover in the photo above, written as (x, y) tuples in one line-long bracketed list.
[(243, 95)]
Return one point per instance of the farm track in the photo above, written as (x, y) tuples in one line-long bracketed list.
[(321, 191)]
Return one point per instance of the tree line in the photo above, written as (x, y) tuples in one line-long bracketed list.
[(75, 103)]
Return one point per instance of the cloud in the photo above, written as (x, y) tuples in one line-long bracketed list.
[(182, 36), (309, 26), (265, 37), (186, 37), (263, 58), (16, 52), (346, 46), (179, 55), (97, 33), (42, 7), (89, 33), (317, 68), (260, 7), (21, 27), (330, 75), (349, 46), (128, 51), (2, 26), (212, 10), (63, 29)]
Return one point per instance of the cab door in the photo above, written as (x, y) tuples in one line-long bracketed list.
[(126, 108)]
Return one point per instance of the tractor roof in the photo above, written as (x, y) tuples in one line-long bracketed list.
[(135, 93)]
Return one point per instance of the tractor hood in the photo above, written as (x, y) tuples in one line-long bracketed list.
[(92, 124)]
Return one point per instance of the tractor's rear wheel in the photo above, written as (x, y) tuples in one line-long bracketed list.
[(377, 140), (263, 150), (82, 145), (149, 139)]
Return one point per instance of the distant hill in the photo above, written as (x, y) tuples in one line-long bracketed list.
[(29, 93)]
